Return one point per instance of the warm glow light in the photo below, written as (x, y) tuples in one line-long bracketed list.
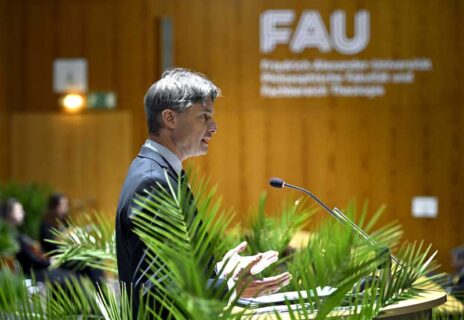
[(73, 102)]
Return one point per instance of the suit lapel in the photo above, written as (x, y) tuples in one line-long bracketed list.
[(146, 152)]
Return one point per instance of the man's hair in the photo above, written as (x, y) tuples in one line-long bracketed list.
[(177, 90)]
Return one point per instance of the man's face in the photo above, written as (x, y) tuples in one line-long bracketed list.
[(194, 129)]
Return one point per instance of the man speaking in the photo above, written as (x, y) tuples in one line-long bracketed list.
[(179, 110)]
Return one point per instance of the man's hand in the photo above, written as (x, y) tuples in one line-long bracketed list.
[(243, 269)]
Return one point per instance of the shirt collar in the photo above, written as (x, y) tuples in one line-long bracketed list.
[(167, 154)]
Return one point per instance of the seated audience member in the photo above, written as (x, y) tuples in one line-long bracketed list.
[(456, 285), (55, 218), (30, 256)]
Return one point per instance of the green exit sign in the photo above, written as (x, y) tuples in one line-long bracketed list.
[(101, 100)]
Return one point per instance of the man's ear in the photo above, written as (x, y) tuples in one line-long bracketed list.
[(169, 118)]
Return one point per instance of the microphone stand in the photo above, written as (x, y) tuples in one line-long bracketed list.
[(342, 218)]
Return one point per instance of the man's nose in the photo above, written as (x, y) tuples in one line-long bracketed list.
[(212, 127)]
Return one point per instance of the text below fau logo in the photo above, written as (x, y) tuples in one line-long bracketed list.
[(312, 33)]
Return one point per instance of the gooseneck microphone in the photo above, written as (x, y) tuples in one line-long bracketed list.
[(336, 213)]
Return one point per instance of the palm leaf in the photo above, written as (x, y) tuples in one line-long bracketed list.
[(8, 244), (336, 257), (275, 232), (182, 233), (45, 300), (88, 240)]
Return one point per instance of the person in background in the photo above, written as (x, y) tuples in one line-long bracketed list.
[(32, 259), (56, 218), (456, 284)]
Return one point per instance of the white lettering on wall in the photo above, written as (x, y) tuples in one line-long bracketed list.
[(271, 33), (312, 33), (368, 78), (361, 32)]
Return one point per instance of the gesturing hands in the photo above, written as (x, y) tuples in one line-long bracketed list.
[(243, 268)]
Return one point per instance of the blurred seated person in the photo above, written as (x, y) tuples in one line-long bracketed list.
[(30, 256), (56, 218), (456, 284)]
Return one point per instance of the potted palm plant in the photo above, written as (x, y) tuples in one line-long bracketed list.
[(190, 233)]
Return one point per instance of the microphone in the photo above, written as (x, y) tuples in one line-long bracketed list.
[(277, 182), (336, 213)]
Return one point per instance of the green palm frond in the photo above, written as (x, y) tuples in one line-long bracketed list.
[(330, 260), (115, 303), (8, 244), (275, 232), (22, 298), (388, 235), (87, 240), (13, 290), (447, 315), (336, 257), (44, 300), (181, 234), (409, 276), (74, 298)]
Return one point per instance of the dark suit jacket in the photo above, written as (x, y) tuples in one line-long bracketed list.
[(145, 172)]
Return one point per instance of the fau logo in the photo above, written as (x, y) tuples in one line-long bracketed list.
[(312, 33)]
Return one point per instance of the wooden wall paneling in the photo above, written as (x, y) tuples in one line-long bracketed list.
[(419, 158), (386, 149), (446, 51), (69, 19), (380, 166), (99, 44), (456, 174), (112, 131), (15, 54), (316, 152), (347, 181), (39, 20), (4, 143), (351, 152), (365, 158), (152, 40), (284, 140), (131, 59), (445, 147), (191, 29), (438, 184), (330, 154), (331, 157), (403, 127), (388, 30), (412, 140), (456, 177), (381, 128), (85, 156), (229, 109), (256, 156)]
